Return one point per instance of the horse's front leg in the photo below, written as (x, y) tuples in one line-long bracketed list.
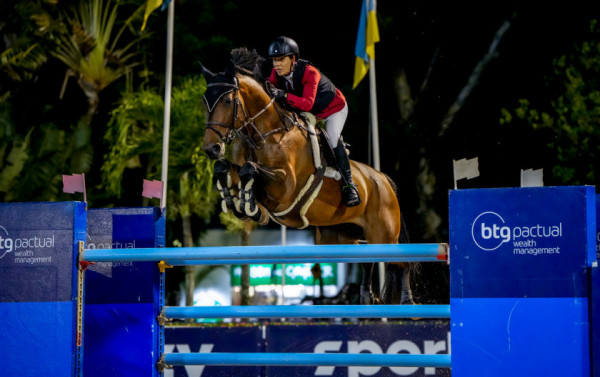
[(247, 203), (225, 179)]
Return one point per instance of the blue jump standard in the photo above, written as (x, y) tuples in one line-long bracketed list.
[(259, 254), (307, 359), (301, 311)]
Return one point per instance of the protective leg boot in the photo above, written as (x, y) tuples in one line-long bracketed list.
[(350, 195)]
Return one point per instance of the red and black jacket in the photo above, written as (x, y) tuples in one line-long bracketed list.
[(312, 91)]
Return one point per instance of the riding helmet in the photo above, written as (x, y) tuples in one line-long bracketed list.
[(283, 46)]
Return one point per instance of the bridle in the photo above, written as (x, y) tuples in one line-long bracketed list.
[(242, 132), (228, 138)]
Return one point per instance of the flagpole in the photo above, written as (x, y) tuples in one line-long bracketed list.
[(374, 119), (375, 143), (167, 112)]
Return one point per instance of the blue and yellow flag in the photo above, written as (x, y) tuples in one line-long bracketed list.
[(151, 5), (368, 35)]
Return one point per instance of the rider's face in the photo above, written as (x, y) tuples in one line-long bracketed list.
[(283, 65)]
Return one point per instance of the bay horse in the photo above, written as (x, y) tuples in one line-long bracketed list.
[(275, 171)]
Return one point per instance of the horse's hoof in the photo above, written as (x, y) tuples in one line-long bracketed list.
[(366, 296), (406, 298)]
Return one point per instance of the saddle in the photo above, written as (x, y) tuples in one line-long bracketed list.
[(325, 166), (323, 144)]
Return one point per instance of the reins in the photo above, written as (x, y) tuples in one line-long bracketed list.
[(243, 131)]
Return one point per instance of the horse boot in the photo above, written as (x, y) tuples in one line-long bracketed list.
[(247, 200), (222, 179), (350, 195)]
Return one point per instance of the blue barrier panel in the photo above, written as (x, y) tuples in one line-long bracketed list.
[(38, 288), (122, 299), (191, 339), (519, 260), (411, 337)]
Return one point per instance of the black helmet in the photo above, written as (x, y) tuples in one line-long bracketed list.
[(283, 46)]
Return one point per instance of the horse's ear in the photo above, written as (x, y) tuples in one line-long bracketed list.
[(230, 69), (207, 74)]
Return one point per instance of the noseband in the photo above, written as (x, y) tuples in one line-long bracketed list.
[(242, 131)]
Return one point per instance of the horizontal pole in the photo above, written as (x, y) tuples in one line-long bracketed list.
[(309, 311), (308, 359), (278, 261), (282, 253)]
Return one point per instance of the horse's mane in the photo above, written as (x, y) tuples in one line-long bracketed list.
[(248, 62)]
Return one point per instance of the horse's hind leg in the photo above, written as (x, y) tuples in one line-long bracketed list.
[(397, 275), (396, 289), (349, 234), (387, 228), (367, 297)]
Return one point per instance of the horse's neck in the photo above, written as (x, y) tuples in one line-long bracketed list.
[(293, 139), (256, 99)]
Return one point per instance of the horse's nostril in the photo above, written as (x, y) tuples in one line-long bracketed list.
[(213, 151)]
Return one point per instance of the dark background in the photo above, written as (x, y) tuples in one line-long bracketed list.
[(446, 41), (442, 42)]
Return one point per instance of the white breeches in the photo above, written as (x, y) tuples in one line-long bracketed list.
[(334, 125)]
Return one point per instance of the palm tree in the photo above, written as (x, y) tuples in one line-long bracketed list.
[(90, 49)]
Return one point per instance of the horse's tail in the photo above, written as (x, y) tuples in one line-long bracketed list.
[(394, 273)]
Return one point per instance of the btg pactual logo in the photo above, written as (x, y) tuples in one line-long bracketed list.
[(489, 231), (6, 243)]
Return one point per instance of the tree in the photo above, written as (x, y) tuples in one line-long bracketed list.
[(40, 140), (571, 116), (90, 49), (135, 139)]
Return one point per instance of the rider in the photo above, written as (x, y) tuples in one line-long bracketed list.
[(301, 85)]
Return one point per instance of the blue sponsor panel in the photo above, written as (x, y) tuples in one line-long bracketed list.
[(122, 299), (415, 337), (520, 337), (519, 261), (595, 299), (38, 287), (522, 242), (213, 339)]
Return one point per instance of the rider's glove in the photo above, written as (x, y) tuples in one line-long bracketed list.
[(278, 93)]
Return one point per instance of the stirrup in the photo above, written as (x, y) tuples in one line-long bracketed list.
[(350, 195)]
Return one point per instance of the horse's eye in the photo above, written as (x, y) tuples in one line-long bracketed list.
[(227, 101)]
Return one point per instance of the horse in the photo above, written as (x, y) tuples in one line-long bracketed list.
[(274, 170)]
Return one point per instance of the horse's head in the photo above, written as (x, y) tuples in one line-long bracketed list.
[(222, 104)]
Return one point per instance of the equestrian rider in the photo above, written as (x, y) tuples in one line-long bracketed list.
[(300, 84)]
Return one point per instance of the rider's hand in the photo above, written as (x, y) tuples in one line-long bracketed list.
[(278, 93)]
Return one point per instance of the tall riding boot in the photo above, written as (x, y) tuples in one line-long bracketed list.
[(350, 195)]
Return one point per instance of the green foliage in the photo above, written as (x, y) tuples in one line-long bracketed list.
[(32, 164), (90, 50), (135, 139), (231, 222), (573, 114)]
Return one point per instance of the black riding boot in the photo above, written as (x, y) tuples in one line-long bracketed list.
[(350, 195)]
